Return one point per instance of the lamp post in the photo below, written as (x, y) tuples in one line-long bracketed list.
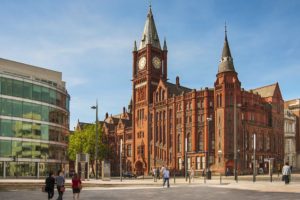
[(121, 141), (185, 159), (96, 142), (220, 156), (208, 149), (254, 160)]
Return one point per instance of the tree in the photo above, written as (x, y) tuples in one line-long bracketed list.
[(83, 141)]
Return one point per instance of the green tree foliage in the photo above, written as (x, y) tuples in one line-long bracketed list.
[(84, 142)]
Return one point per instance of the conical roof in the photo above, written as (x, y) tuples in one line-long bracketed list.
[(150, 35), (226, 63)]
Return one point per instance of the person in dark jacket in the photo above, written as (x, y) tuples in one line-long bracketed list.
[(49, 188)]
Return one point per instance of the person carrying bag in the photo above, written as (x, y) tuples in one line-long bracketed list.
[(60, 182)]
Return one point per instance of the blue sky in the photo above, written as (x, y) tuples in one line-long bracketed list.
[(91, 42)]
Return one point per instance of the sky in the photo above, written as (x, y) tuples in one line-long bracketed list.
[(91, 43)]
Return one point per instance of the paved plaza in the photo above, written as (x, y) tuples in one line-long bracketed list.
[(132, 189)]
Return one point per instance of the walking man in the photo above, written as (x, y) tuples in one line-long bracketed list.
[(286, 172), (166, 176)]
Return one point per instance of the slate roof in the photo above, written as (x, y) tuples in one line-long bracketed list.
[(266, 91), (176, 90)]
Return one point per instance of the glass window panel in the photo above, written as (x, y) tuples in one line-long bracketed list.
[(52, 94), (27, 132), (27, 110), (17, 88), (52, 115), (36, 92), (58, 99), (36, 111), (44, 151), (5, 150), (53, 134), (6, 86), (45, 113), (45, 95), (6, 108), (17, 128), (16, 148), (44, 132), (6, 128), (36, 150), (36, 131), (17, 108), (26, 150), (27, 90)]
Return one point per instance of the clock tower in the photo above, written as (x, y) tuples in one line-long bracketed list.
[(149, 66)]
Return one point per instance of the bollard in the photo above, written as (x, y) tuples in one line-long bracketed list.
[(271, 177), (189, 179), (220, 179)]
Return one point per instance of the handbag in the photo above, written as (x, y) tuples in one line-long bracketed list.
[(79, 186), (62, 189)]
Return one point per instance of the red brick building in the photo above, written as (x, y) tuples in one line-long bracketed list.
[(172, 125)]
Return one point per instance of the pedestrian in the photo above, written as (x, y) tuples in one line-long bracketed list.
[(166, 176), (49, 188), (154, 174), (192, 174), (157, 173), (286, 172), (76, 186), (227, 172), (60, 183), (162, 169)]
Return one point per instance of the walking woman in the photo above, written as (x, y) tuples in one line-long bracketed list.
[(76, 186), (60, 182), (49, 188)]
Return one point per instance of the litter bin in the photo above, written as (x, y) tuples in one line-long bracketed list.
[(208, 175)]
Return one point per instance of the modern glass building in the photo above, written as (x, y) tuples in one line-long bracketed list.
[(34, 120)]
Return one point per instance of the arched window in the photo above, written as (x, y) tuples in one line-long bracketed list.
[(189, 142), (179, 143), (163, 94)]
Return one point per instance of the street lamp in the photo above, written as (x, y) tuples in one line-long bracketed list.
[(96, 143), (220, 156), (185, 159), (254, 161), (208, 148), (121, 141)]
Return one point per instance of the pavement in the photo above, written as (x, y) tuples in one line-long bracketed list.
[(262, 183)]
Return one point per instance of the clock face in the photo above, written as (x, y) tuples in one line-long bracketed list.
[(156, 62), (142, 62)]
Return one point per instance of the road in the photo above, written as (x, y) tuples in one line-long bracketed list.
[(184, 192)]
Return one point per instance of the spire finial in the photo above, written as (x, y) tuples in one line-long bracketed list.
[(134, 46), (150, 3), (225, 29), (165, 44)]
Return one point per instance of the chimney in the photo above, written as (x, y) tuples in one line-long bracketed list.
[(177, 81), (106, 115)]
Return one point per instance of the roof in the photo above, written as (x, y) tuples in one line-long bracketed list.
[(226, 63), (150, 35), (266, 91), (176, 90)]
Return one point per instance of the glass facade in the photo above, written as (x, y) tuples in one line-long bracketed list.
[(34, 125)]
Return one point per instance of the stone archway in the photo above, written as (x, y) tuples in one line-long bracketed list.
[(139, 168)]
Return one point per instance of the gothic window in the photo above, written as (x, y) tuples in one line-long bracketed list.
[(200, 141), (129, 150), (179, 143), (189, 142)]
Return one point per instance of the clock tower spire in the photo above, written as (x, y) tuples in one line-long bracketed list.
[(149, 67)]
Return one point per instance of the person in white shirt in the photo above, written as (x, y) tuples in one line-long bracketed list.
[(286, 172)]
